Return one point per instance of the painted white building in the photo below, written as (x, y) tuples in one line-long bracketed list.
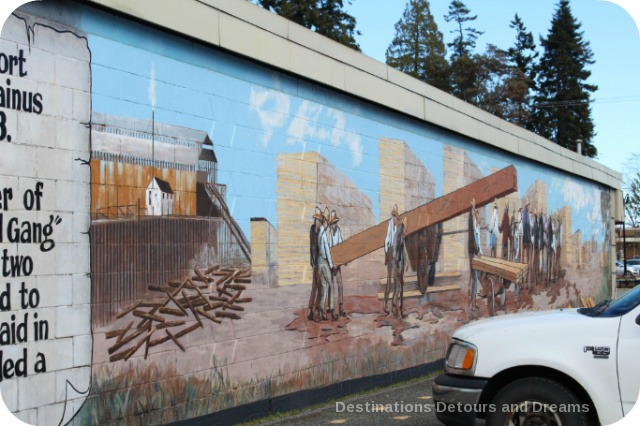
[(159, 198)]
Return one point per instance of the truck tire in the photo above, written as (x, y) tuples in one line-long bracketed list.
[(537, 401)]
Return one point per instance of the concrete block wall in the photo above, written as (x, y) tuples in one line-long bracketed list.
[(287, 142), (44, 177)]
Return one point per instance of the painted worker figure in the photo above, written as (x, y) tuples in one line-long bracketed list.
[(526, 237), (388, 243), (544, 246), (517, 241), (335, 237), (475, 250), (541, 247), (316, 287), (517, 236), (512, 237), (325, 264), (397, 262), (535, 248), (394, 248), (494, 230), (558, 246), (504, 228), (391, 231), (551, 262)]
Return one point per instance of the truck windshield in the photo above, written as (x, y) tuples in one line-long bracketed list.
[(614, 308)]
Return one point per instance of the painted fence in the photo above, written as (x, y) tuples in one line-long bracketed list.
[(129, 256)]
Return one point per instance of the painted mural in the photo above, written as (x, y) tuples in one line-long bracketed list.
[(251, 234)]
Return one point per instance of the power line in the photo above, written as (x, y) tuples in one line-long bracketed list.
[(568, 103)]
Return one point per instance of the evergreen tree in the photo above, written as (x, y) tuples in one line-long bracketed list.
[(523, 53), (562, 112), (465, 40), (326, 17), (332, 21), (418, 48), (464, 64), (498, 83), (522, 57)]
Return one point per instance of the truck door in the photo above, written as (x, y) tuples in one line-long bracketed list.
[(628, 350)]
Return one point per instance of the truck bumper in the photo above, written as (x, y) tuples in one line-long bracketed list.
[(456, 398)]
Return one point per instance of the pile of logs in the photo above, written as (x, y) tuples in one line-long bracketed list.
[(211, 295)]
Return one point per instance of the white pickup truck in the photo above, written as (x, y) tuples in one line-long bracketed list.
[(560, 367)]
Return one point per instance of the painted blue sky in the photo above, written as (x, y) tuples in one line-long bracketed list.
[(253, 113)]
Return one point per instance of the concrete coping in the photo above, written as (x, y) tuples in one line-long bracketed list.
[(248, 30)]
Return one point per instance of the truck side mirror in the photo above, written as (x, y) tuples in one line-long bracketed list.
[(638, 320)]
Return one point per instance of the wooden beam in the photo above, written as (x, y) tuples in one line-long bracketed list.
[(417, 293), (413, 278), (508, 270), (485, 190)]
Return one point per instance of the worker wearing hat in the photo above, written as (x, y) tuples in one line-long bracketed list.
[(325, 263), (475, 250), (388, 242), (494, 230), (335, 237), (526, 238), (315, 311), (391, 231)]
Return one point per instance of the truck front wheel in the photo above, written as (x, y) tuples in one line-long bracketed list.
[(537, 401)]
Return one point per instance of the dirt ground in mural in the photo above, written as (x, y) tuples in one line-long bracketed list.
[(273, 337), (273, 349)]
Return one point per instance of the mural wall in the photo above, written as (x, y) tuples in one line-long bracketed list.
[(251, 234)]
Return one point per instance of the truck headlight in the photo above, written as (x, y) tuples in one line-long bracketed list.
[(461, 358)]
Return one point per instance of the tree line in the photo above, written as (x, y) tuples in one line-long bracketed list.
[(546, 93)]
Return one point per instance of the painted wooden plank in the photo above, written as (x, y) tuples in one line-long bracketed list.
[(416, 293), (508, 270), (483, 191), (413, 278)]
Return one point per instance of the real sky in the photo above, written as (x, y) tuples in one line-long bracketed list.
[(610, 30)]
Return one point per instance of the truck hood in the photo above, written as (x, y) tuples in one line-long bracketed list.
[(562, 340), (551, 323)]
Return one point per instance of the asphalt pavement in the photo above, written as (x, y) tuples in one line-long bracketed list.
[(404, 404)]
